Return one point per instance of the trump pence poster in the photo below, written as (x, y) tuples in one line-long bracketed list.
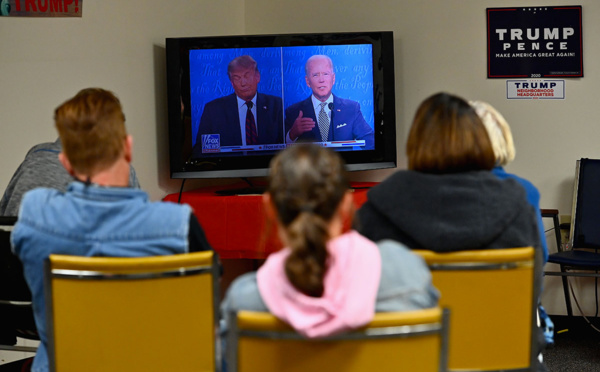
[(535, 42)]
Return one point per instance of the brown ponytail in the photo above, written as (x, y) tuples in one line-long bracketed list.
[(307, 184)]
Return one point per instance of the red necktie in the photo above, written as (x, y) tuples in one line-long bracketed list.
[(251, 134)]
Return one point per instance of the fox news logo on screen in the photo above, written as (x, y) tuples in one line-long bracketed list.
[(211, 143)]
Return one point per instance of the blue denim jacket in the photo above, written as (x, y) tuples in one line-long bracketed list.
[(91, 221)]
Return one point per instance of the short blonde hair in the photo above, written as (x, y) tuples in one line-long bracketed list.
[(91, 127), (498, 131)]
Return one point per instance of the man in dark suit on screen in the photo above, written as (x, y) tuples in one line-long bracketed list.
[(245, 117), (325, 117)]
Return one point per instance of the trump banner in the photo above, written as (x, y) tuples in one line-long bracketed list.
[(535, 42), (41, 8)]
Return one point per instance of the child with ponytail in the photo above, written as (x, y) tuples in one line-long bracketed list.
[(326, 280)]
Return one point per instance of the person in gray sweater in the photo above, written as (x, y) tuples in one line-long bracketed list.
[(339, 275), (448, 200), (41, 168)]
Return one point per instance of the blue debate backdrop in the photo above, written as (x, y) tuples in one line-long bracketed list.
[(283, 75)]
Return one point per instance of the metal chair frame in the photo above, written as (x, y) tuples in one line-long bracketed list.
[(403, 331), (151, 273), (578, 260), (457, 264)]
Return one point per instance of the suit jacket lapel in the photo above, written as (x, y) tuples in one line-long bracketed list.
[(335, 116), (233, 121), (261, 120), (310, 109)]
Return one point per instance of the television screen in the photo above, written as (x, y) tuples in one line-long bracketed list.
[(586, 214), (235, 101)]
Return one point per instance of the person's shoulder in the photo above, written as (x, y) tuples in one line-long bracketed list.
[(530, 187), (220, 101), (401, 267), (391, 183), (160, 206), (298, 105), (46, 152), (394, 252), (40, 194), (268, 98), (339, 101), (37, 198), (243, 294), (179, 214), (45, 146), (244, 284), (510, 185)]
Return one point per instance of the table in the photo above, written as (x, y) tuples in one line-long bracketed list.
[(236, 226)]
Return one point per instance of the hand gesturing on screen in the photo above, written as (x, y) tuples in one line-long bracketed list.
[(301, 125)]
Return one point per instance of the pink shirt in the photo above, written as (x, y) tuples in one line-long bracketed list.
[(351, 284)]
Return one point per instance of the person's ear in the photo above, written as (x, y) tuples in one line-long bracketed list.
[(66, 163), (128, 148), (346, 208), (347, 203), (268, 206)]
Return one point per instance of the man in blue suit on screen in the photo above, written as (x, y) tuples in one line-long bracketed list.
[(325, 117), (245, 117)]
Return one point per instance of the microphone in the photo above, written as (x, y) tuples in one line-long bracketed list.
[(330, 105)]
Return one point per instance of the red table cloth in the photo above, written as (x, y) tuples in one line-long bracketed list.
[(236, 226)]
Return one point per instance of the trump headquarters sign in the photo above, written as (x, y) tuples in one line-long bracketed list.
[(535, 42), (41, 8)]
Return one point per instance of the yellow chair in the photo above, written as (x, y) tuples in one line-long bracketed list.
[(492, 295), (414, 341), (133, 314)]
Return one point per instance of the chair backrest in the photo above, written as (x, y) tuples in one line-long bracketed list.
[(414, 341), (132, 314), (492, 296), (16, 313), (13, 286)]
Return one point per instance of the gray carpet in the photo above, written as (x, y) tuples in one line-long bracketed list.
[(576, 346)]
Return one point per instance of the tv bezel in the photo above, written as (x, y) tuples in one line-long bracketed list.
[(384, 155)]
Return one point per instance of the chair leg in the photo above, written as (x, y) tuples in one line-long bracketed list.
[(566, 290), (557, 231)]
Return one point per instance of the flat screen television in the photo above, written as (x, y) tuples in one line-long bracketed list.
[(585, 214), (207, 120)]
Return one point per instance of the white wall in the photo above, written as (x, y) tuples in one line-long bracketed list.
[(117, 45), (439, 45)]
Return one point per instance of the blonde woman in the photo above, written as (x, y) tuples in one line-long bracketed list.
[(504, 151)]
